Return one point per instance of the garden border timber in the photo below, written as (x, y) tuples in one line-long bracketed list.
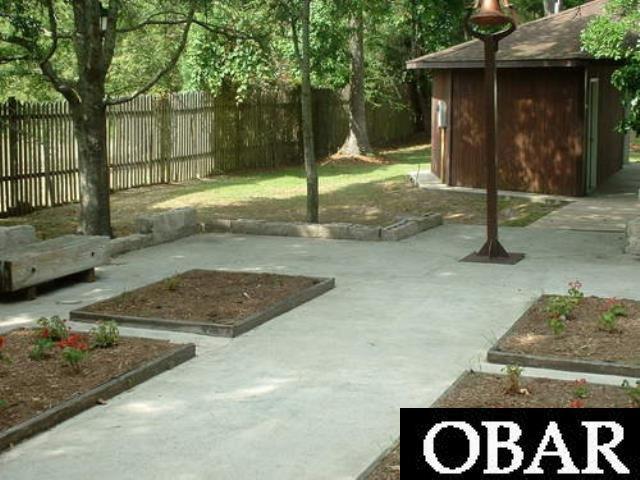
[(403, 228), (73, 406), (498, 356), (213, 329)]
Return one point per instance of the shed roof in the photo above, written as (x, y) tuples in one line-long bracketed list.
[(549, 41)]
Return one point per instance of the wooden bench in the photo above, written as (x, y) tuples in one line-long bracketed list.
[(24, 267)]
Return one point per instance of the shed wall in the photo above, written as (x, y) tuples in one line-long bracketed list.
[(540, 130)]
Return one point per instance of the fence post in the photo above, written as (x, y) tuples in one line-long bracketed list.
[(14, 129), (166, 144)]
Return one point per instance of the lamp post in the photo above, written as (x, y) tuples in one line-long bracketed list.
[(488, 23)]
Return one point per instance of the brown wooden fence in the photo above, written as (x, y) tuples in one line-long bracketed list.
[(173, 138)]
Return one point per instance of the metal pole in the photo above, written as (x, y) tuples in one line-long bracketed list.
[(492, 251), (492, 247)]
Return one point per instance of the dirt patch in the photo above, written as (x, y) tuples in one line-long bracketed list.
[(223, 298), (341, 159), (583, 338), (481, 390), (29, 387)]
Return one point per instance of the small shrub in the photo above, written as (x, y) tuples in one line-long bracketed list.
[(54, 328), (575, 290), (105, 335), (172, 284), (581, 390), (74, 357), (74, 351), (632, 392), (514, 373), (609, 319), (562, 306), (3, 404), (558, 325), (41, 349)]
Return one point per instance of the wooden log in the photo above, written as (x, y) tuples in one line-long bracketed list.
[(41, 262)]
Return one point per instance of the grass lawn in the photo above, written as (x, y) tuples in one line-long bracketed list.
[(359, 193)]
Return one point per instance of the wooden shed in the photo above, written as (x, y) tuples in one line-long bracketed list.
[(557, 110)]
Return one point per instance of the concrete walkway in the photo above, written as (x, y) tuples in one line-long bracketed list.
[(607, 210), (315, 393)]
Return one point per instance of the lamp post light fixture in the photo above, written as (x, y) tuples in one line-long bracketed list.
[(488, 23)]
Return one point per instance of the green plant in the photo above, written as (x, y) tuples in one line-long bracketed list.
[(609, 319), (41, 349), (562, 306), (3, 404), (172, 283), (54, 328), (632, 392), (74, 350), (558, 325), (581, 389), (575, 290), (514, 373), (105, 335), (74, 357)]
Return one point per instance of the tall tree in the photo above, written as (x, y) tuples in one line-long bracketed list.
[(36, 31), (357, 142), (616, 36), (297, 16)]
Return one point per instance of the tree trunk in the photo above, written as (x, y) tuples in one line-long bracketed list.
[(90, 126), (357, 142), (311, 168)]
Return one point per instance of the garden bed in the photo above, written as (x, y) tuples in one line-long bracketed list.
[(481, 390), (36, 395), (582, 342), (208, 302)]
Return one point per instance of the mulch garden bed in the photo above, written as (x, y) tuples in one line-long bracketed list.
[(584, 344), (482, 390), (37, 394), (208, 301)]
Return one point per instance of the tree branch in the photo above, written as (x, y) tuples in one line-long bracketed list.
[(172, 63)]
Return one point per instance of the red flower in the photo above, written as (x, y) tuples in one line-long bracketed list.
[(45, 333), (2, 342), (582, 381), (576, 404), (74, 341)]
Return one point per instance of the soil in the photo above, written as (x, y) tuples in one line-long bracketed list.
[(205, 296), (583, 337), (481, 390), (341, 159), (29, 387)]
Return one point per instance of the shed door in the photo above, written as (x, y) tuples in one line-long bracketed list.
[(592, 135)]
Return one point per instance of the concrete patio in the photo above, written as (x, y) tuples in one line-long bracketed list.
[(607, 210), (315, 393)]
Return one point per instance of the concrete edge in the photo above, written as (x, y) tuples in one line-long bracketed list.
[(404, 228), (364, 475), (210, 329), (71, 407)]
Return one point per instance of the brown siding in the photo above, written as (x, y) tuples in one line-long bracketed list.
[(441, 91), (540, 130), (610, 114)]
